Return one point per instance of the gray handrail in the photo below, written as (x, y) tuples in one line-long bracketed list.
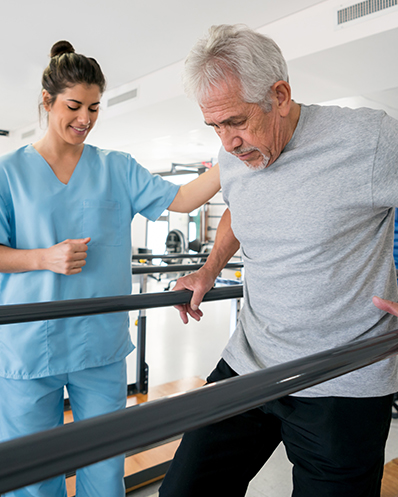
[(41, 311), (165, 257), (176, 268), (40, 456)]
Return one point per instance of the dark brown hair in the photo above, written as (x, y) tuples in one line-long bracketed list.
[(67, 68)]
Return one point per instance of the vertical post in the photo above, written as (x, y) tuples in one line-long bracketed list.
[(203, 223), (235, 309), (142, 367)]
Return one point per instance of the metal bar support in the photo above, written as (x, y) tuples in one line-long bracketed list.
[(142, 368)]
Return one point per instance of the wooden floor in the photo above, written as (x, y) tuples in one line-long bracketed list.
[(389, 487), (153, 457)]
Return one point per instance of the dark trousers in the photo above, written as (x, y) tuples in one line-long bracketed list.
[(336, 446)]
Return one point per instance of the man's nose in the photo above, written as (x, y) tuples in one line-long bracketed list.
[(230, 139)]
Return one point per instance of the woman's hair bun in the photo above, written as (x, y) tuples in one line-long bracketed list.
[(61, 47)]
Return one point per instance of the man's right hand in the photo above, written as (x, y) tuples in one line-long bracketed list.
[(200, 283), (225, 246), (67, 257)]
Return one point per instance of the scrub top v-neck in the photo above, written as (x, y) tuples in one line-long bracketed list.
[(52, 177), (37, 210)]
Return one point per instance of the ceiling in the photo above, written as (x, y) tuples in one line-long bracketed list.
[(133, 39)]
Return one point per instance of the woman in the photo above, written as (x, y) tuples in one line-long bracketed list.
[(65, 216)]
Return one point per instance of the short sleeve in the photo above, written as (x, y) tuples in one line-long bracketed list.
[(385, 168), (5, 212), (151, 194)]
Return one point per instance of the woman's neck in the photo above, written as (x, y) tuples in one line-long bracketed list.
[(62, 157)]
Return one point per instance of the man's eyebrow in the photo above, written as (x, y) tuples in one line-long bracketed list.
[(229, 120)]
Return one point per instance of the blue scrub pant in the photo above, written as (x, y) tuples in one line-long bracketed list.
[(29, 406)]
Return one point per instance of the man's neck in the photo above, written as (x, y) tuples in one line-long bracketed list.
[(294, 116)]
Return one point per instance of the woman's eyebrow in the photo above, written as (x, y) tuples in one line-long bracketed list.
[(78, 102)]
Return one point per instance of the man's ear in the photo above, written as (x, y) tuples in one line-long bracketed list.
[(282, 93)]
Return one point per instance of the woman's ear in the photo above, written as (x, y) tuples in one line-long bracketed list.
[(46, 100)]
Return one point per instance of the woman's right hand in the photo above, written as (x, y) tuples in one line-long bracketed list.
[(67, 257)]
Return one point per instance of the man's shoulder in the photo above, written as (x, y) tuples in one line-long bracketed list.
[(324, 122), (344, 114)]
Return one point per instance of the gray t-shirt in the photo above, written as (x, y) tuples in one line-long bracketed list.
[(316, 231)]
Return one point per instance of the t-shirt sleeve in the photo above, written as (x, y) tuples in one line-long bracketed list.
[(385, 168), (151, 194)]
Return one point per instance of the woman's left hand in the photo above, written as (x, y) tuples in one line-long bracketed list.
[(386, 305)]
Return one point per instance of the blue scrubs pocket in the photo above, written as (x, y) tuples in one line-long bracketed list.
[(24, 350), (101, 222)]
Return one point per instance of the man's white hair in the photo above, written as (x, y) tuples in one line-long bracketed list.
[(235, 51)]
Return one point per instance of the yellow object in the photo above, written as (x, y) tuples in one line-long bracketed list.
[(136, 322), (238, 274), (142, 261)]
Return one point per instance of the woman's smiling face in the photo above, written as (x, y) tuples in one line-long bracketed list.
[(73, 113)]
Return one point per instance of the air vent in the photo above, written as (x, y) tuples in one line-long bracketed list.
[(3, 132), (28, 134), (362, 9), (123, 97)]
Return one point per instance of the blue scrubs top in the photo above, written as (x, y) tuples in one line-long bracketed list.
[(106, 190)]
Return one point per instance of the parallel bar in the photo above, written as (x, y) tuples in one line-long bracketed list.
[(57, 309), (138, 257), (43, 455), (177, 268)]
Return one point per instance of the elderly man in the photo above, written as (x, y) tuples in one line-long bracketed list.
[(310, 192)]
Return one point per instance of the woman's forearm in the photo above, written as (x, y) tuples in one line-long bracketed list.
[(67, 257), (19, 261), (197, 192)]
